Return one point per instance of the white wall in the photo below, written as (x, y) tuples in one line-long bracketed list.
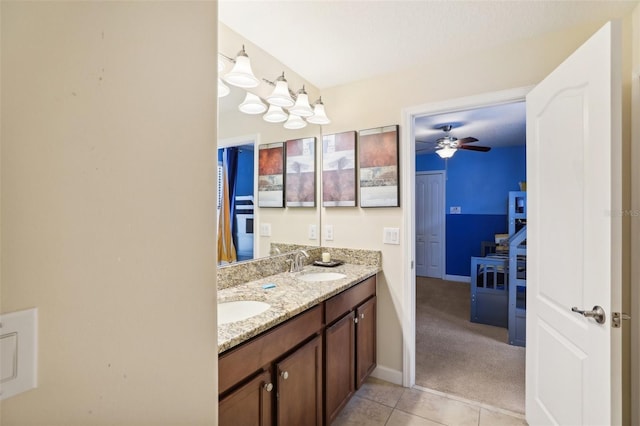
[(108, 208), (379, 101)]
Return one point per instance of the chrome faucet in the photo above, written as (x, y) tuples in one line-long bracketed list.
[(298, 261)]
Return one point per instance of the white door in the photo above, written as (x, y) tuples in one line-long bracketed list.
[(430, 224), (573, 238)]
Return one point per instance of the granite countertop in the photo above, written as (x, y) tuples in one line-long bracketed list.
[(289, 297)]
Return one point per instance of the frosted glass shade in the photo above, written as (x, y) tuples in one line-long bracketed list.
[(241, 74), (280, 95), (275, 114), (294, 122), (223, 89), (446, 152), (319, 115), (252, 105), (302, 107)]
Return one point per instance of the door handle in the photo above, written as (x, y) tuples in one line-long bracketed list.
[(597, 313)]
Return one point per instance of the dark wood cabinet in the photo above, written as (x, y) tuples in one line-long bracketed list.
[(350, 344), (303, 371), (251, 404), (299, 397)]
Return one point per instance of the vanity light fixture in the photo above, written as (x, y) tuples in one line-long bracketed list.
[(295, 122), (241, 74), (280, 95), (302, 107), (252, 104), (319, 115), (446, 152), (275, 114)]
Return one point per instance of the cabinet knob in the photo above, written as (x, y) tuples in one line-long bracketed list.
[(285, 375), (362, 315), (268, 387), (355, 320)]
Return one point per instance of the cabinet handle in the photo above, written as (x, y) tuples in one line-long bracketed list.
[(268, 387), (355, 320), (285, 375), (362, 315)]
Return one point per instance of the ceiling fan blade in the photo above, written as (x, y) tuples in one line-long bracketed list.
[(467, 140), (475, 148)]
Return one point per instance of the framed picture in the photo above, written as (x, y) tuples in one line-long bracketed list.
[(271, 175), (379, 170), (301, 172), (339, 170)]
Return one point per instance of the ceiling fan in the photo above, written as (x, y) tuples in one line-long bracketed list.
[(447, 145)]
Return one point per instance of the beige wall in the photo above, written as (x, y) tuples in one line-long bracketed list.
[(108, 208), (380, 101)]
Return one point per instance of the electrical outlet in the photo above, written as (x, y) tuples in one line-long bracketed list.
[(265, 229), (391, 236), (455, 210), (328, 232), (313, 232)]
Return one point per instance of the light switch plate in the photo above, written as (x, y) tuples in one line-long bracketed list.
[(265, 229), (328, 232), (391, 236), (455, 210), (313, 231), (19, 352)]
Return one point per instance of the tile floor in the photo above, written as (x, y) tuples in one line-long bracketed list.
[(382, 403)]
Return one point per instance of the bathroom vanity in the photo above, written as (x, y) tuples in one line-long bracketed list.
[(300, 361)]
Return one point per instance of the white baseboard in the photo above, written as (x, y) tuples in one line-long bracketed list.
[(458, 278), (388, 375)]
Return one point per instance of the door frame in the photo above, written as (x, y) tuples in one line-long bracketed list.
[(443, 217), (408, 157)]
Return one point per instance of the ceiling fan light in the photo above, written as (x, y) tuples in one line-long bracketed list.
[(223, 89), (252, 105), (302, 107), (446, 152), (295, 122), (241, 74), (275, 114), (280, 95), (319, 115)]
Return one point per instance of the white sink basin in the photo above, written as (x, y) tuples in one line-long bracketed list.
[(321, 276), (239, 310)]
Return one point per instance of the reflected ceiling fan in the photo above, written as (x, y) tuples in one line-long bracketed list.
[(447, 145)]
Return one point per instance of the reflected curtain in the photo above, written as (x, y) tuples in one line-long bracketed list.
[(226, 243)]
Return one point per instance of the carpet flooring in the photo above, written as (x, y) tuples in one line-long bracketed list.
[(462, 358)]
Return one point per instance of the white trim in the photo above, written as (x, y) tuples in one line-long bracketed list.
[(388, 375), (458, 278), (408, 308), (634, 323)]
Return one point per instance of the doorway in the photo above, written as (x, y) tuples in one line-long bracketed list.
[(409, 116)]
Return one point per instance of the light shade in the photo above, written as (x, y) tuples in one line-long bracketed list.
[(275, 114), (252, 105), (446, 152), (223, 89), (319, 115), (280, 95), (302, 107), (241, 74), (294, 122)]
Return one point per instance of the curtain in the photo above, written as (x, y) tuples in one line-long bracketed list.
[(230, 164), (226, 246)]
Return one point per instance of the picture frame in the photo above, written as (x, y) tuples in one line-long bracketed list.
[(300, 172), (379, 171), (339, 173), (271, 178)]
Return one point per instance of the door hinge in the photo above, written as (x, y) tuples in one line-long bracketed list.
[(617, 317)]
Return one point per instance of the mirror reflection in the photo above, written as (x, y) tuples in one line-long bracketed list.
[(245, 230)]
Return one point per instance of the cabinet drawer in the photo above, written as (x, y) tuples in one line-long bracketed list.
[(342, 303), (238, 363)]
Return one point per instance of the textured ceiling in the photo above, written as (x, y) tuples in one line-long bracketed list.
[(337, 42)]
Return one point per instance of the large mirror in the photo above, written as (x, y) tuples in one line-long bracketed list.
[(260, 231)]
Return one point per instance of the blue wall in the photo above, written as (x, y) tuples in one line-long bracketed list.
[(244, 180), (479, 183)]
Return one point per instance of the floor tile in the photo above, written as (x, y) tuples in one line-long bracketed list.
[(363, 412), (494, 418), (380, 391), (400, 418), (438, 408)]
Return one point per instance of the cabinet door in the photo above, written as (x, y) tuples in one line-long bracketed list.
[(365, 340), (250, 405), (299, 398), (339, 365)]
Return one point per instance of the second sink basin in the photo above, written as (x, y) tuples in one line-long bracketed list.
[(239, 310), (321, 276)]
